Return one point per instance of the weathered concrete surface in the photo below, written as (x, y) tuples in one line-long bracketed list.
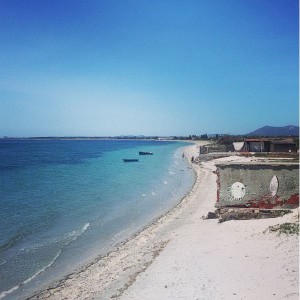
[(252, 182), (227, 213)]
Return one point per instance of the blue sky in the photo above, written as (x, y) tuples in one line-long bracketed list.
[(147, 67)]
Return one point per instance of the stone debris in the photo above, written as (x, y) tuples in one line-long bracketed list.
[(227, 214)]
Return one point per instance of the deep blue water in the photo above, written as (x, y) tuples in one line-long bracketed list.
[(65, 201)]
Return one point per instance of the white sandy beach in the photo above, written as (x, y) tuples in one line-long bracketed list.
[(183, 256)]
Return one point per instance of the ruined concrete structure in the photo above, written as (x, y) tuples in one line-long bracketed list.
[(261, 185), (269, 145), (212, 149)]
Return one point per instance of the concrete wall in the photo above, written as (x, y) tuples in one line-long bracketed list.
[(249, 185), (283, 148)]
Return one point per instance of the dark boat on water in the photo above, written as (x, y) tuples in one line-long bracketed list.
[(145, 153), (130, 160)]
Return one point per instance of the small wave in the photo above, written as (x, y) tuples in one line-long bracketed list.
[(70, 237), (171, 173), (36, 247), (10, 242), (3, 294), (118, 234), (43, 269), (153, 193), (84, 228), (74, 236), (3, 262), (165, 182)]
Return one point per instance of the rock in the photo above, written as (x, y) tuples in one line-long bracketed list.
[(211, 215)]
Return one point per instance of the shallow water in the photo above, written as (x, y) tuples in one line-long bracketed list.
[(65, 201)]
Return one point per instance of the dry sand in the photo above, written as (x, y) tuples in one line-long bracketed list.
[(183, 256)]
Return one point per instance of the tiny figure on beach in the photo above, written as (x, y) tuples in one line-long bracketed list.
[(192, 159), (182, 155)]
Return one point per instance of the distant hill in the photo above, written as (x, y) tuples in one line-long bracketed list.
[(289, 130)]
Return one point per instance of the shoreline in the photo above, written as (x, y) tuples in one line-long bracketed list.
[(179, 255), (106, 252), (41, 279)]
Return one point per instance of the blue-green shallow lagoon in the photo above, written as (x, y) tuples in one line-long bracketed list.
[(62, 202)]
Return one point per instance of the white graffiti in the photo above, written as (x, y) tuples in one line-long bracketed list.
[(274, 186), (237, 191)]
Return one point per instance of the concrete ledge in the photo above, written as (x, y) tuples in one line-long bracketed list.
[(227, 214)]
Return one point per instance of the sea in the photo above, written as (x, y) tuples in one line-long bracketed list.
[(65, 202)]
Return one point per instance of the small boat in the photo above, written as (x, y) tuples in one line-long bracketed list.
[(145, 153), (130, 160)]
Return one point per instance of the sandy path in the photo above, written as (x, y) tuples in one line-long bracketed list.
[(182, 256)]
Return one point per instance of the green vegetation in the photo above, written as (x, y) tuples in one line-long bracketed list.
[(285, 228)]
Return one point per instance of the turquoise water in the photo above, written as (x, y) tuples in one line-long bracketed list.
[(64, 202)]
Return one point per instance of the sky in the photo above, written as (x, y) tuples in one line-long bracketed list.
[(147, 67)]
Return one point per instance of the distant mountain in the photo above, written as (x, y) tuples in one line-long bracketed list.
[(289, 130)]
